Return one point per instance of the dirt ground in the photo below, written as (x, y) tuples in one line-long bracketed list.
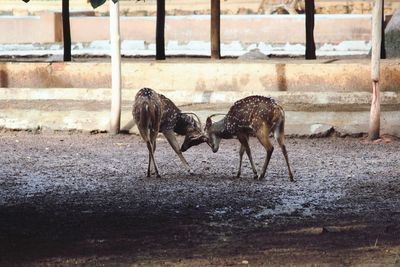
[(80, 199)]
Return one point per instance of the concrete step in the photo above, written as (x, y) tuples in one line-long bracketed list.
[(290, 99), (307, 113)]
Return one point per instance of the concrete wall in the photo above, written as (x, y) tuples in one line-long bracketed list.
[(45, 28), (316, 96), (206, 75), (244, 28)]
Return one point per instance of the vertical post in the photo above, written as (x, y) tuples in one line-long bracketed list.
[(116, 68), (215, 29), (310, 43), (374, 120), (66, 30), (160, 29), (383, 49)]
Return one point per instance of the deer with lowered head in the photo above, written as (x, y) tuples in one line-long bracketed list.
[(253, 115), (154, 113)]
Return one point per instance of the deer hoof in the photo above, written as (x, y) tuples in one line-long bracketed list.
[(261, 178), (238, 175), (255, 177)]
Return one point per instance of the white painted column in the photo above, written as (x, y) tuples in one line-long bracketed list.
[(374, 120), (116, 68)]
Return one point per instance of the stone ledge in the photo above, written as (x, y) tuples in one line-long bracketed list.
[(297, 123), (347, 113), (97, 99)]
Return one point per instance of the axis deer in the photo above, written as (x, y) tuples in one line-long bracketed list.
[(256, 115), (290, 6), (154, 113)]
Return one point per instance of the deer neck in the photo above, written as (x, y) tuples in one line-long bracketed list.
[(182, 124)]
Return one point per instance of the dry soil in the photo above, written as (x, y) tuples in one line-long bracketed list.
[(80, 199)]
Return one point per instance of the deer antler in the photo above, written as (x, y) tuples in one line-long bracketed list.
[(198, 119), (217, 114)]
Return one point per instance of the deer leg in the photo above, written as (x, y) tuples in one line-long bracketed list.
[(175, 146), (146, 138), (280, 137), (154, 150), (244, 140), (153, 138), (151, 152), (263, 136), (283, 147), (149, 165), (241, 152)]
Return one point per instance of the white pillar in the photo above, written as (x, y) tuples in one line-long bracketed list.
[(376, 40), (116, 68), (375, 113)]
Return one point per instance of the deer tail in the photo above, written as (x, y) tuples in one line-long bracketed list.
[(146, 120)]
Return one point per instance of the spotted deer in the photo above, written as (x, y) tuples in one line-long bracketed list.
[(253, 115), (154, 113)]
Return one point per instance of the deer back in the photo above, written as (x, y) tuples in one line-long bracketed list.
[(170, 114), (181, 123), (250, 113), (186, 124), (147, 110)]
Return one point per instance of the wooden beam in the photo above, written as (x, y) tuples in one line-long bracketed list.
[(160, 29), (383, 49), (310, 43), (66, 30), (215, 29)]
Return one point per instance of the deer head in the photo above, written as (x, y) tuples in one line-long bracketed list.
[(213, 132), (194, 133)]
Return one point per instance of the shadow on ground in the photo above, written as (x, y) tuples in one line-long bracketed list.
[(77, 199)]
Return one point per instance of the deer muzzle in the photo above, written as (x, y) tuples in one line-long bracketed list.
[(193, 140)]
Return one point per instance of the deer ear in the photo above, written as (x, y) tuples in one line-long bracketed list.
[(208, 123)]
